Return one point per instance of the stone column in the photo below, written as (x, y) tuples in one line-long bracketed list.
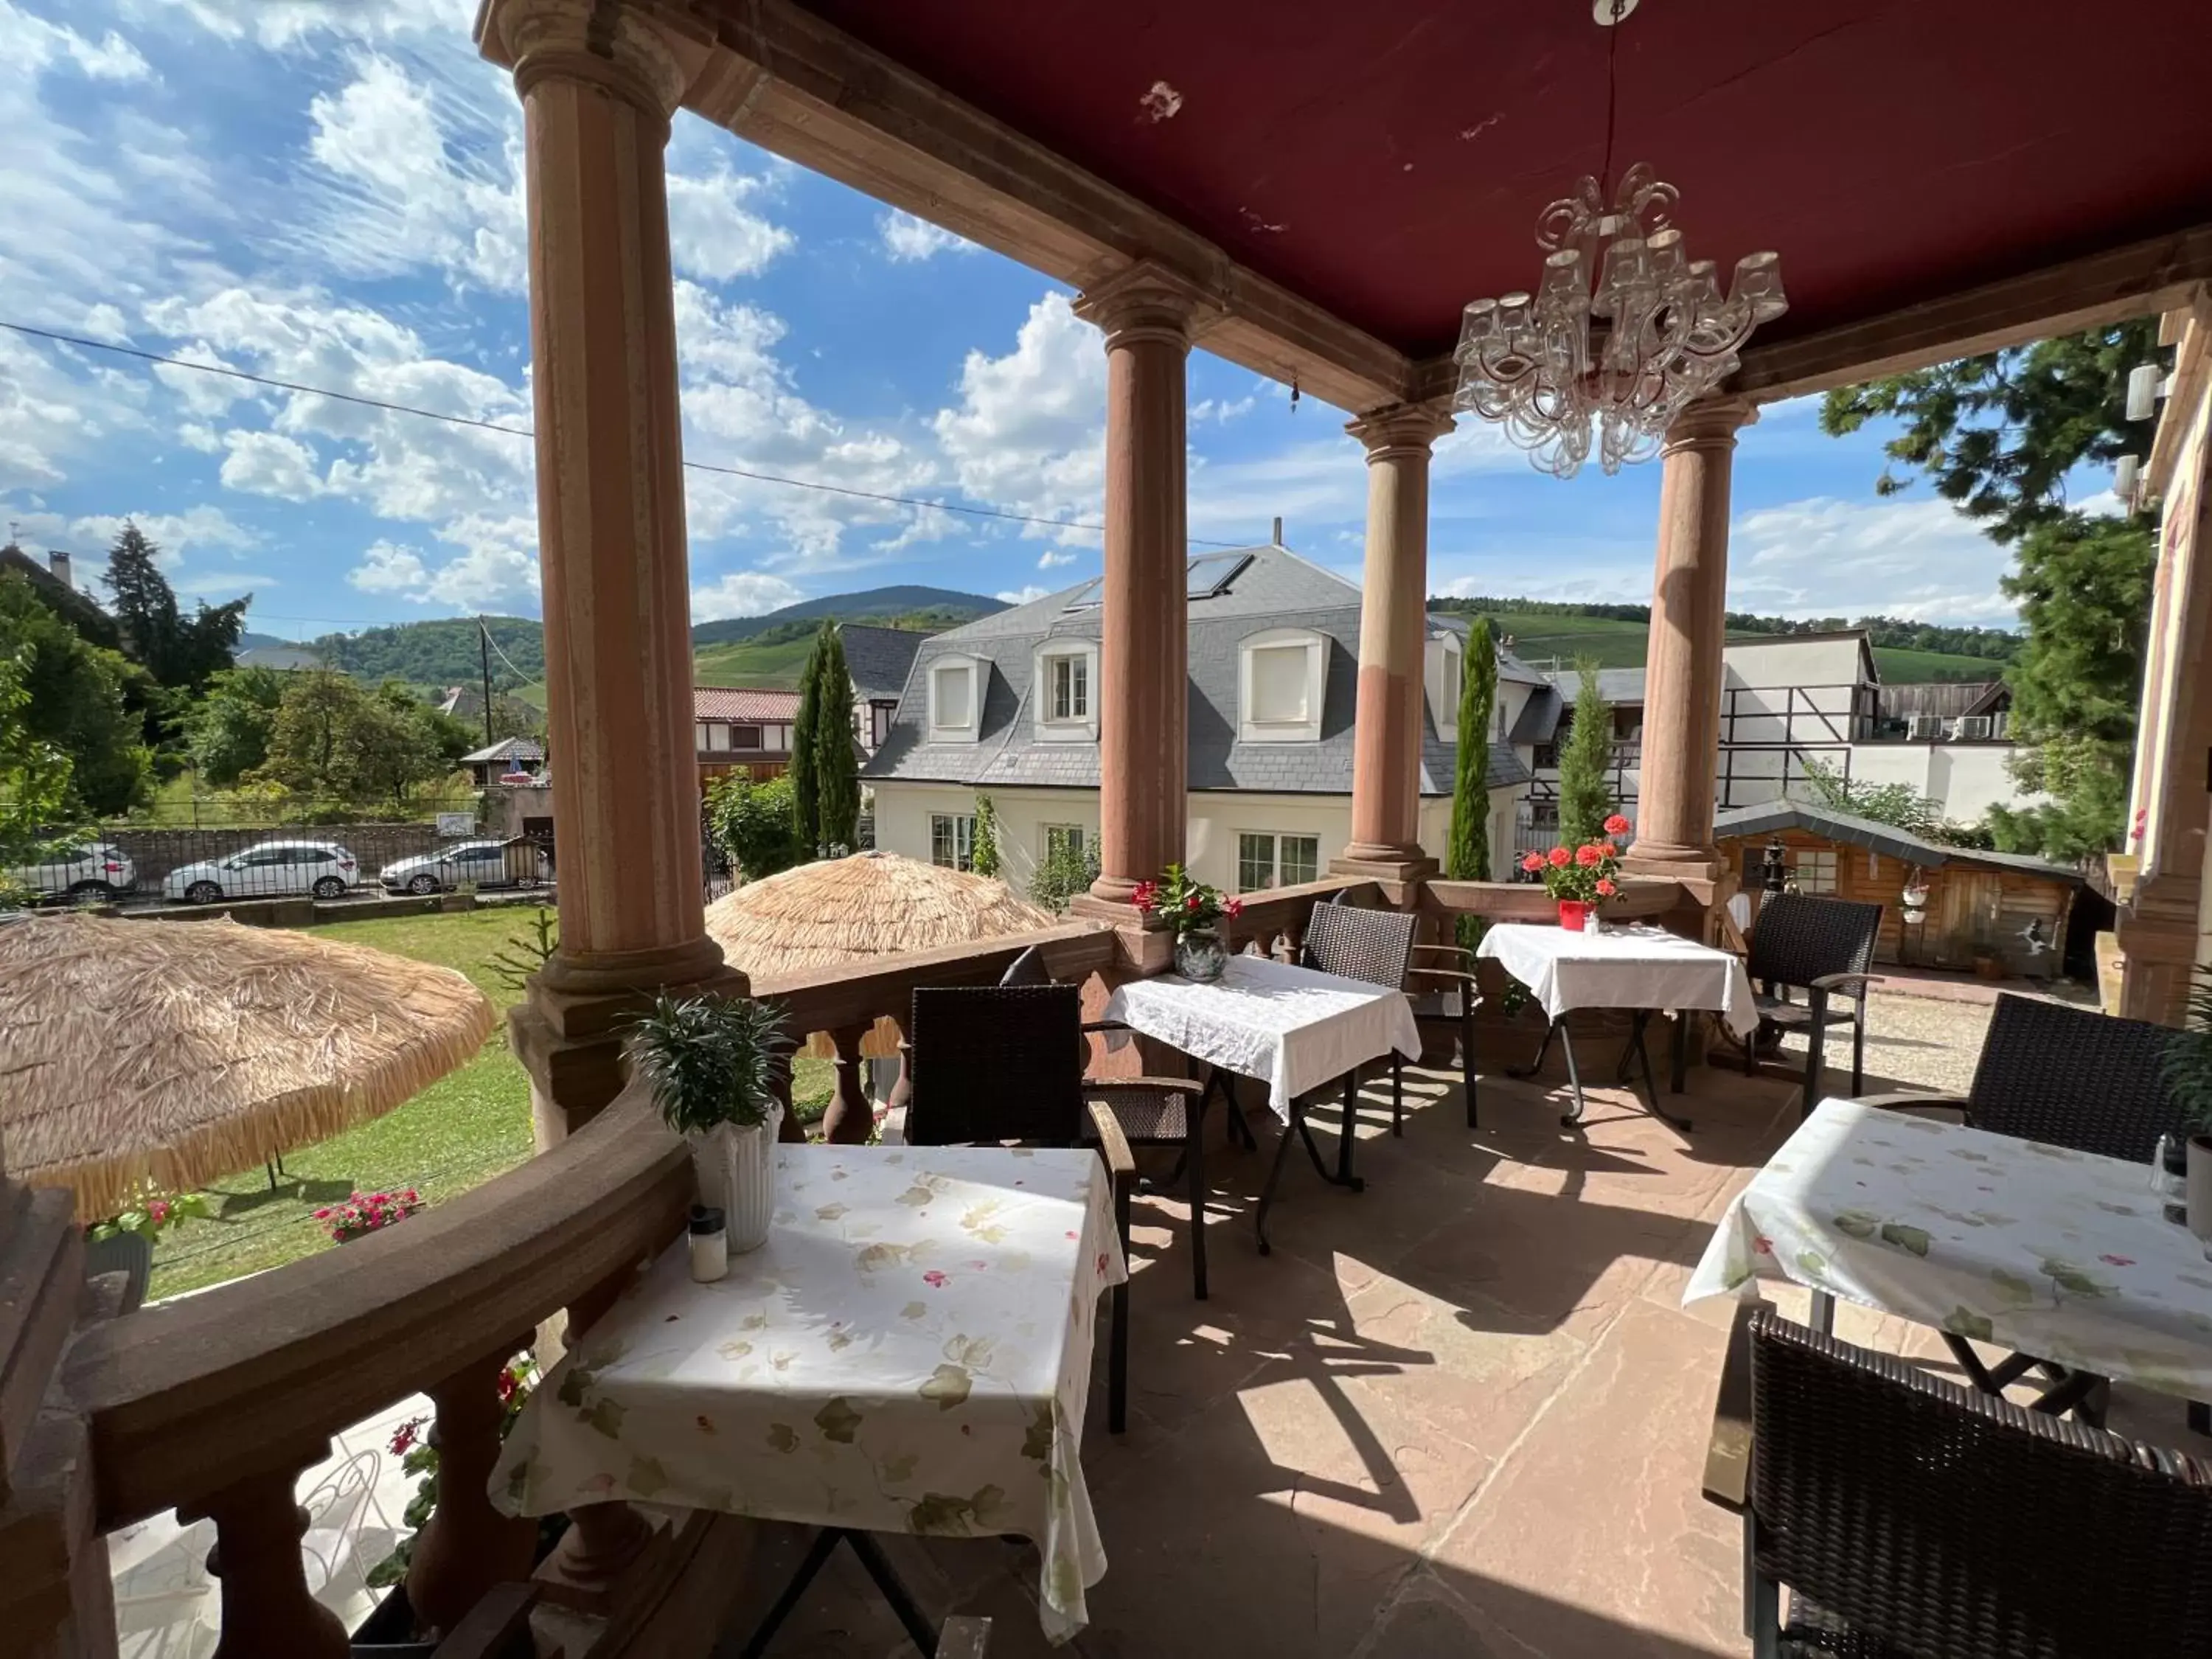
[(1683, 669), (1394, 631), (599, 80), (1149, 315)]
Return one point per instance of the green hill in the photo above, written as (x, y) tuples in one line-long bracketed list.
[(774, 663), (932, 608), (443, 651)]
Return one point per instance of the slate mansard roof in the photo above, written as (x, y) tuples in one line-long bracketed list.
[(1256, 588)]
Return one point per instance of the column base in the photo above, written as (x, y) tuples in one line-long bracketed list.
[(1697, 869), (568, 1031), (2157, 932), (1399, 863)]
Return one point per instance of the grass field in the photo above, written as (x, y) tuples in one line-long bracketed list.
[(468, 1127), (183, 803), (741, 662), (1619, 643)]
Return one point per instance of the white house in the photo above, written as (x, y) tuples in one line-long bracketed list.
[(1008, 706)]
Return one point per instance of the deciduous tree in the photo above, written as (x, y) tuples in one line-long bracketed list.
[(74, 702)]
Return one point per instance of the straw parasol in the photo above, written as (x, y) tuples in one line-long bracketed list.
[(173, 1054), (852, 909)]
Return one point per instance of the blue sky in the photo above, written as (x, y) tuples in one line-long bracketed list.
[(329, 193)]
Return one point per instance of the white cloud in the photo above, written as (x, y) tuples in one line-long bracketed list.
[(907, 238), (1052, 558), (1029, 433), (1221, 411), (270, 464), (742, 593), (386, 568), (712, 235), (1022, 595), (175, 533)]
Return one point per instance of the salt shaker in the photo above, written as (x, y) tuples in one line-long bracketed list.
[(710, 1244)]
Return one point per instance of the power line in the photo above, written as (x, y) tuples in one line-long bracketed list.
[(525, 432)]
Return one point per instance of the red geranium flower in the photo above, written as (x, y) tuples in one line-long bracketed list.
[(1606, 887), (934, 1279), (1146, 896), (404, 1438), (1533, 863), (1233, 908), (1559, 857), (1192, 902), (1616, 825), (1586, 856)]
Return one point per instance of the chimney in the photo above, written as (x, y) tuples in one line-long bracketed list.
[(59, 564), (1279, 532)]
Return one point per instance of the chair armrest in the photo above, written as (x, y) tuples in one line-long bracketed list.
[(1838, 982), (1112, 1142), (1914, 1103), (1459, 950), (486, 1629), (1728, 1453), (1091, 1026), (1443, 973), (1180, 1085)]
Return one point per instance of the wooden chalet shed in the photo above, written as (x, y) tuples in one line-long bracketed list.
[(1982, 907)]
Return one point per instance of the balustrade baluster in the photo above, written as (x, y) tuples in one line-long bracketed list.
[(266, 1606), (850, 1118), (790, 1130), (468, 1546), (602, 1538)]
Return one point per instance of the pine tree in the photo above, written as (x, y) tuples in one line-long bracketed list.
[(175, 650), (1467, 858), (1584, 759)]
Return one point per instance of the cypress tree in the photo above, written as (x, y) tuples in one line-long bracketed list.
[(1584, 759), (805, 774), (1467, 858), (836, 765)]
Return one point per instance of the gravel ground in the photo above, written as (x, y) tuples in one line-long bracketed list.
[(1911, 1042)]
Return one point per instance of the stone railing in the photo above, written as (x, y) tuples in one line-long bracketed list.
[(1640, 898), (1274, 922)]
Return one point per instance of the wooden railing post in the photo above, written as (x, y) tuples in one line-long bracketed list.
[(790, 1130), (267, 1605), (468, 1546), (850, 1118), (602, 1538)]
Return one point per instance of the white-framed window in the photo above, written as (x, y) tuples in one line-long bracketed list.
[(1814, 869), (956, 699), (744, 737), (1281, 674), (1066, 691), (952, 839), (1069, 837), (1265, 860), (1443, 666), (713, 735)]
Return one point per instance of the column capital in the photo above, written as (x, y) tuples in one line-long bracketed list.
[(646, 52), (1397, 429), (1709, 422), (1148, 301)]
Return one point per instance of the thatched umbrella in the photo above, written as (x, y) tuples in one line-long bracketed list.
[(850, 910), (174, 1053)]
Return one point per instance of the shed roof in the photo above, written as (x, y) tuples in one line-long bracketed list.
[(1853, 830)]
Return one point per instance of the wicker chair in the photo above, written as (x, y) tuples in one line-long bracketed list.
[(1004, 1063), (1376, 948), (1913, 1519), (1822, 946)]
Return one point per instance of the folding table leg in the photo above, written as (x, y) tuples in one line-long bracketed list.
[(1291, 1131), (818, 1554), (1643, 1057), (895, 1594), (1194, 1158), (1347, 1133), (1573, 1119), (1678, 1055)]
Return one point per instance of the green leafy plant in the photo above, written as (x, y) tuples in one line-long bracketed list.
[(418, 1455), (2189, 1056), (513, 963), (1190, 905), (710, 1061), (983, 858), (753, 824), (367, 1213), (1064, 873), (150, 1214)]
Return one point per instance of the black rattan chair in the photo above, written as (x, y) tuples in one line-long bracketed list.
[(1004, 1063), (1824, 947), (1914, 1519), (1376, 948)]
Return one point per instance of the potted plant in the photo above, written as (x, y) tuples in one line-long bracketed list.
[(367, 1213), (1195, 911), (2189, 1075), (712, 1063), (1581, 878)]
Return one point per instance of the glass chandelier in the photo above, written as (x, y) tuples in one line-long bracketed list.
[(1623, 331)]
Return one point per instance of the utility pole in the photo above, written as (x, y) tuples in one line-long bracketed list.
[(484, 650)]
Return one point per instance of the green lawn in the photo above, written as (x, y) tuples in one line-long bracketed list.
[(458, 1133)]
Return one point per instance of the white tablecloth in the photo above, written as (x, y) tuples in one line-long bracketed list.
[(1292, 1027), (1642, 968), (2063, 1255), (909, 1352)]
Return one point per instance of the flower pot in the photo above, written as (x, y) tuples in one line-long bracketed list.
[(1574, 915), (752, 1198), (2200, 1187), (1200, 955)]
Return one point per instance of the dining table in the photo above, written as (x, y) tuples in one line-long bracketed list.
[(1638, 968), (910, 1352), (1295, 1029), (2065, 1255)]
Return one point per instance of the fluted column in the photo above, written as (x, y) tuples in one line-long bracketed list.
[(1386, 765), (1148, 315), (1683, 669), (599, 80)]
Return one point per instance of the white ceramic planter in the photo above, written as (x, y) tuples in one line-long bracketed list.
[(2199, 1183), (750, 1203)]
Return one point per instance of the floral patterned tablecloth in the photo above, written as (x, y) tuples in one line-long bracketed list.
[(909, 1352), (2063, 1255)]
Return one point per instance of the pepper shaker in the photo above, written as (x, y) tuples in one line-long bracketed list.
[(710, 1244)]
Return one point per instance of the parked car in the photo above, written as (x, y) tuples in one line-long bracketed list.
[(270, 869), (81, 870), (471, 863)]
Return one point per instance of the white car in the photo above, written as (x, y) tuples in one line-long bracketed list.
[(271, 869), (80, 870), (470, 863)]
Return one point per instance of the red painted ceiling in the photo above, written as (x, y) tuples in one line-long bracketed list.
[(1387, 158)]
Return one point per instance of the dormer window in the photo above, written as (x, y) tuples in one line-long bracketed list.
[(956, 700), (1066, 691), (1281, 675), (1445, 670)]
